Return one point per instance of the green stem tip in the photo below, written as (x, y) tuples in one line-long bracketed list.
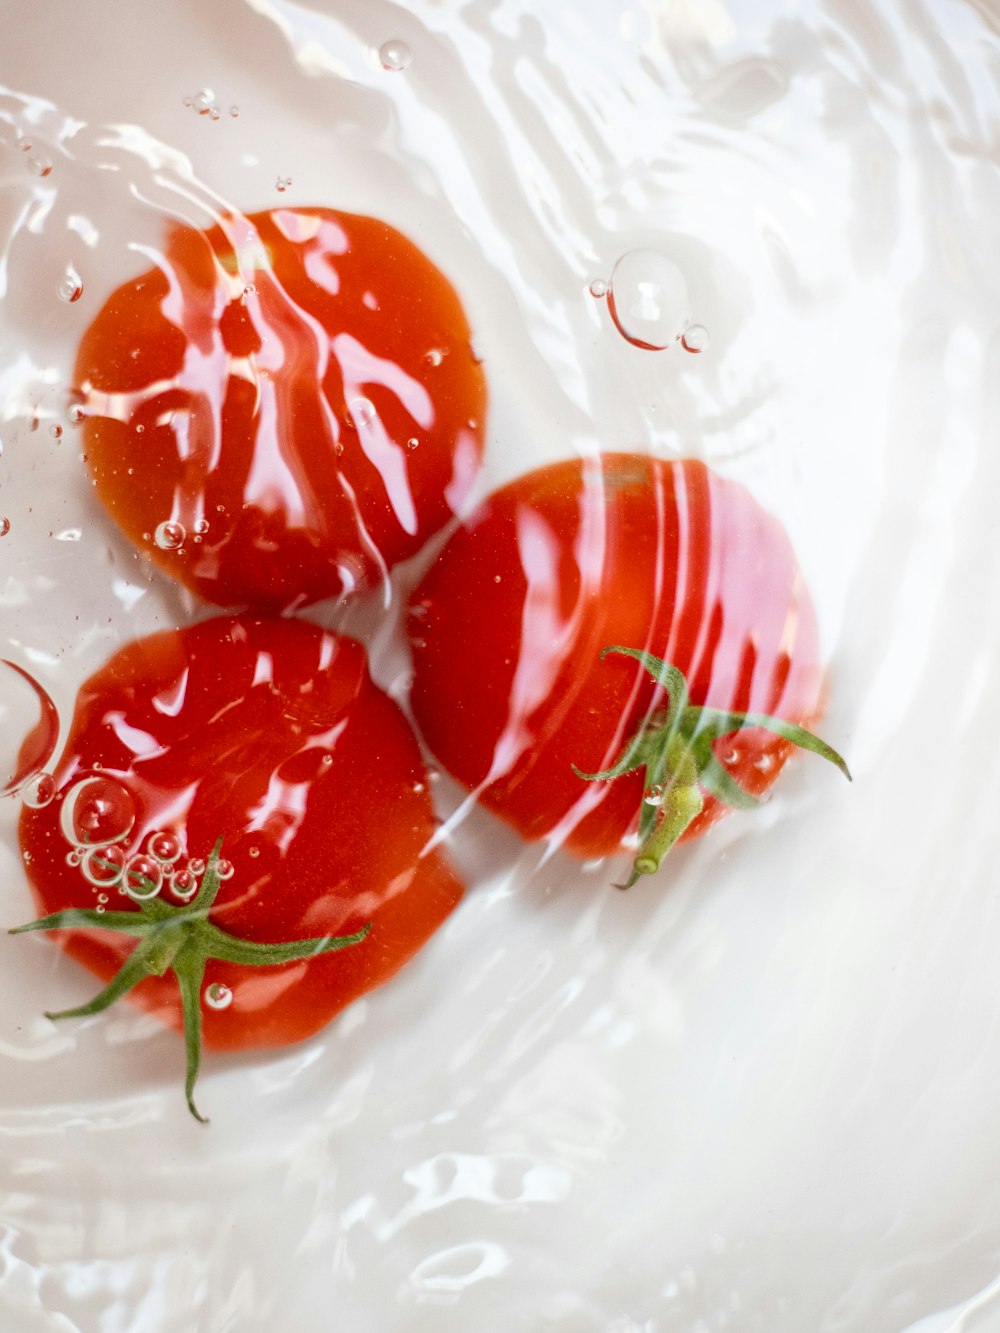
[(183, 940), (676, 750)]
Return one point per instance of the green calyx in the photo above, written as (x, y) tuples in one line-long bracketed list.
[(677, 751), (181, 939)]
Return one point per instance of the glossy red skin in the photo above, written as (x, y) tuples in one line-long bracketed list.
[(216, 389), (508, 625), (337, 845)]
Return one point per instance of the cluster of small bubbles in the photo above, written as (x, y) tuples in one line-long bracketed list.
[(41, 166), (654, 796), (143, 877), (282, 184), (4, 526), (434, 357), (55, 430), (598, 288), (363, 411), (394, 55), (169, 535), (218, 996), (70, 286), (649, 299), (204, 103), (39, 792), (695, 338)]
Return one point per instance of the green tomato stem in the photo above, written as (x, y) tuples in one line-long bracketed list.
[(182, 940), (675, 750)]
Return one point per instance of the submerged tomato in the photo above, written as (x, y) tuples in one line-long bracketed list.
[(283, 408), (664, 559), (270, 735)]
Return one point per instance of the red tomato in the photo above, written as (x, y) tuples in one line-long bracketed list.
[(270, 734), (293, 394), (508, 626)]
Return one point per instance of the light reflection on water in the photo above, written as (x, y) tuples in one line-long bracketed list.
[(761, 1099)]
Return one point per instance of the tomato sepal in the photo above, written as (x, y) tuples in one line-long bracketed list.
[(675, 748), (184, 940)]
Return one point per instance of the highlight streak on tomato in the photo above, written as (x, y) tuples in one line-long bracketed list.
[(296, 389), (509, 624)]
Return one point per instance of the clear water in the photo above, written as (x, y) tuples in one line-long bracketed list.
[(764, 1099)]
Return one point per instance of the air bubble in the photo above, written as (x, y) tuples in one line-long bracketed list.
[(598, 288), (695, 338), (203, 102), (76, 414), (234, 111), (4, 526), (184, 884), (96, 811), (55, 430), (412, 443), (654, 796), (39, 792), (434, 357), (394, 55), (169, 536), (218, 996), (143, 877), (282, 184), (224, 869), (70, 286), (201, 527), (73, 859), (103, 866), (164, 847), (649, 299), (41, 166), (196, 865), (363, 412)]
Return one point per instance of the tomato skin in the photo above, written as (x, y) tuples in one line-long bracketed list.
[(296, 390), (271, 734), (509, 623)]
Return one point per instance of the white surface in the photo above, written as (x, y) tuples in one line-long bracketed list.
[(762, 1095)]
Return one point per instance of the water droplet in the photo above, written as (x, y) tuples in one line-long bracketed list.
[(599, 288), (695, 338), (434, 357), (4, 526), (218, 996), (41, 166), (654, 796), (169, 536), (70, 286), (394, 55), (39, 792), (143, 877), (649, 299), (103, 866), (363, 412), (283, 183), (224, 869), (55, 430), (96, 811), (164, 847)]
